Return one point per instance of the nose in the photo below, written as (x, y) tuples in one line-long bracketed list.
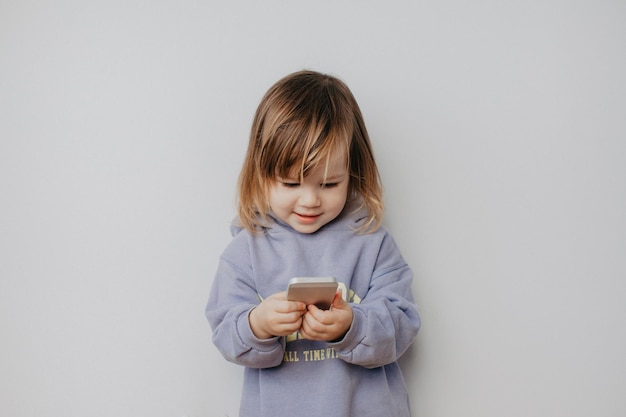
[(309, 197)]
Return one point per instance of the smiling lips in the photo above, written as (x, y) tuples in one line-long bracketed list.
[(307, 218)]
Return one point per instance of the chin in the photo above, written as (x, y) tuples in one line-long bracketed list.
[(307, 230)]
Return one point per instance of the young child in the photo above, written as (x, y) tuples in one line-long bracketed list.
[(310, 204)]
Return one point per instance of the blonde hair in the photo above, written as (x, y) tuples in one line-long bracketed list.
[(303, 119)]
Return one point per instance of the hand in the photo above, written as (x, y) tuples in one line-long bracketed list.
[(276, 316), (327, 325)]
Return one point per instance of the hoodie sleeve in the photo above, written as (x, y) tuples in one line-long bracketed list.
[(386, 321), (232, 297)]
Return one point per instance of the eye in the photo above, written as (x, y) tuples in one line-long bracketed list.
[(289, 184), (330, 185)]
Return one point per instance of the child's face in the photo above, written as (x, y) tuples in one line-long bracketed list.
[(318, 199)]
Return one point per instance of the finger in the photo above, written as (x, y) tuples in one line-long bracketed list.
[(306, 333), (309, 333), (313, 325), (282, 328), (321, 317), (286, 307), (338, 300)]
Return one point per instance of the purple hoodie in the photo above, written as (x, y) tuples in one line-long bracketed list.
[(288, 376)]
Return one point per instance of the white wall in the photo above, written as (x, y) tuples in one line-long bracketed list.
[(500, 131)]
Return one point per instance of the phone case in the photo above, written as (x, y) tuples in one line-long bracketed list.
[(313, 290)]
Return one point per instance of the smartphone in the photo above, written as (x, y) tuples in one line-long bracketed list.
[(313, 290)]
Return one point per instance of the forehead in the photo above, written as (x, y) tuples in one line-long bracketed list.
[(337, 161)]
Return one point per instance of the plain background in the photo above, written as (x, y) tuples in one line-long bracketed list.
[(500, 130)]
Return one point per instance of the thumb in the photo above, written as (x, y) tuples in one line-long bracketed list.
[(338, 301)]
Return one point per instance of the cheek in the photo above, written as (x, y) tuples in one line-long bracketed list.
[(272, 197), (339, 198), (278, 197)]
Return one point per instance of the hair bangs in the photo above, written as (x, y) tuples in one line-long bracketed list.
[(302, 145)]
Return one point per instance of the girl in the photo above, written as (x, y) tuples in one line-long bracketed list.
[(310, 204)]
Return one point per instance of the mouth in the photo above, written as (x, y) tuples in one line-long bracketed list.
[(307, 218)]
